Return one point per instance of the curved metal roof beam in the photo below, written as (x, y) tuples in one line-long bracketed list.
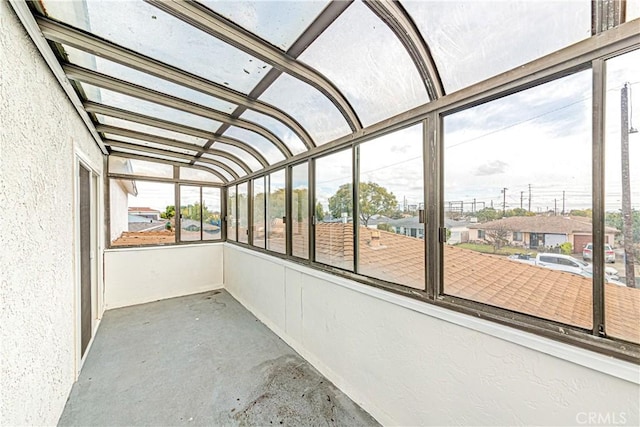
[(167, 153), (167, 162), (93, 107), (398, 20), (171, 143), (87, 42), (101, 80), (223, 29)]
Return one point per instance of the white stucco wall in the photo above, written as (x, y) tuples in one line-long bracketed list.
[(118, 212), (410, 363), (40, 132), (139, 275)]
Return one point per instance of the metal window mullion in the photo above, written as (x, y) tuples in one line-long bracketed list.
[(311, 192), (178, 213), (433, 203), (288, 210), (201, 215), (355, 183), (598, 165)]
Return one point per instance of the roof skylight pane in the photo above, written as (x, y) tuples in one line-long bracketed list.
[(218, 169), (260, 143), (314, 111), (151, 130), (148, 81), (278, 22), (146, 29), (151, 156), (472, 40), (198, 175), (129, 103), (359, 44), (233, 165), (240, 153), (282, 131), (126, 166), (128, 140)]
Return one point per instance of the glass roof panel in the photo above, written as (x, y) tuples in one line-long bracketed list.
[(314, 111), (126, 166), (198, 175), (126, 102), (472, 40), (260, 143), (281, 130), (240, 153), (387, 83), (233, 165), (148, 81), (278, 22), (148, 144), (218, 169), (151, 130), (144, 28), (142, 153)]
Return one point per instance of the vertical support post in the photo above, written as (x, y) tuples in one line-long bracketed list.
[(598, 153), (223, 213), (355, 168), (312, 210), (434, 204), (178, 216), (250, 212), (288, 209)]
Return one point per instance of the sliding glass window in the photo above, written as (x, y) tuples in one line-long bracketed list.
[(231, 213), (243, 212), (259, 232), (517, 201), (391, 191), (622, 198), (300, 210), (334, 210), (276, 196)]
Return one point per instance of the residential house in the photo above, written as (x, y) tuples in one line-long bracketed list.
[(540, 231)]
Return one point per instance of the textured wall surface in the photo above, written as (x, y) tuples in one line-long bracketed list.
[(39, 133), (409, 368), (139, 275)]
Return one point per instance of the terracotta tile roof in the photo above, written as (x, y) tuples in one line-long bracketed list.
[(542, 224), (133, 238), (143, 209), (489, 279)]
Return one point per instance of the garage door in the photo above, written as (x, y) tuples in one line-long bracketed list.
[(580, 241)]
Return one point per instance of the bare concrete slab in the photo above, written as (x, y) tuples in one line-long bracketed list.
[(200, 360)]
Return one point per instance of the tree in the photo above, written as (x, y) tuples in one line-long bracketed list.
[(319, 212), (581, 212), (487, 214), (169, 212), (518, 212), (374, 200), (498, 237)]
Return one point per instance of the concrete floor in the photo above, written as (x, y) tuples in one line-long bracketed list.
[(200, 360)]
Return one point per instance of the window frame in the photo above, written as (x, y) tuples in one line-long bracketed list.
[(584, 55)]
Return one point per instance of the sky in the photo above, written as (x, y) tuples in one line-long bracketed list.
[(538, 139)]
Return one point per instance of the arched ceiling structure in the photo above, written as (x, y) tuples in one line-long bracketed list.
[(233, 87)]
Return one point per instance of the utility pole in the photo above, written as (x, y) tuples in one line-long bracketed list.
[(562, 202), (504, 201), (529, 197), (555, 207), (627, 220), (521, 194)]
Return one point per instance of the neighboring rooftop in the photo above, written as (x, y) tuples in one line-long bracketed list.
[(543, 224)]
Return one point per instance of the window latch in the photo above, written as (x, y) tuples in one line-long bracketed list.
[(421, 216), (442, 235)]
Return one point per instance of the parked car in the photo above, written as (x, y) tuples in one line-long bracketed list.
[(571, 265), (609, 255)]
